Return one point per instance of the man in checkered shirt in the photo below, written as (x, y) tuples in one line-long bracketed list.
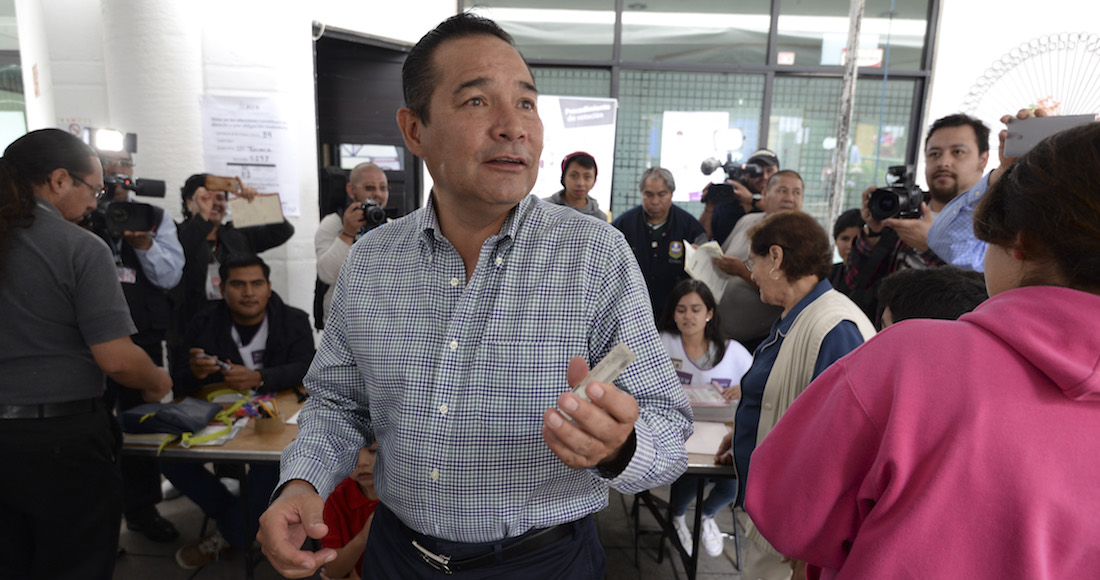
[(454, 336)]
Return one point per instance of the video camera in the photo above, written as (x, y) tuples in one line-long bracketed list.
[(901, 198), (719, 193), (115, 217)]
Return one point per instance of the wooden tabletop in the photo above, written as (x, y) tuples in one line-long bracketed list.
[(248, 446)]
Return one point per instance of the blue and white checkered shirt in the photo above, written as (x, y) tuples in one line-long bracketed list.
[(452, 376), (951, 236)]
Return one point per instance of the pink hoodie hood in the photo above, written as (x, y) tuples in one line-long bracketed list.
[(1056, 329)]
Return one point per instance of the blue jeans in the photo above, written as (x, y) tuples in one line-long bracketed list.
[(683, 492), (205, 489)]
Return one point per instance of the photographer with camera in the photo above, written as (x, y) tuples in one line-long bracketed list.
[(150, 262), (895, 234), (368, 191), (748, 182)]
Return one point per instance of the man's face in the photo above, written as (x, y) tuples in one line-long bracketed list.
[(656, 199), (246, 293), (77, 197), (785, 194), (370, 184), (952, 162), (757, 184), (483, 142), (117, 163), (218, 200), (578, 182)]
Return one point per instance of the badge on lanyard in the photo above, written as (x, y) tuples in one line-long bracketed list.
[(127, 275), (213, 282)]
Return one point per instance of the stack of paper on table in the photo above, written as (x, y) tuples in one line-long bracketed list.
[(706, 438), (708, 404)]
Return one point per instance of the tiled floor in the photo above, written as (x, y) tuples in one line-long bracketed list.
[(144, 560)]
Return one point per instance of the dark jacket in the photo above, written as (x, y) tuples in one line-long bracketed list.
[(190, 295), (286, 359), (663, 266)]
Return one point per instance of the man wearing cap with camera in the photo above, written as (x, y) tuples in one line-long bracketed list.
[(578, 177), (149, 263), (955, 153), (759, 168), (339, 230)]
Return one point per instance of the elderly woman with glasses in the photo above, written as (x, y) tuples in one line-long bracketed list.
[(790, 260), (964, 449)]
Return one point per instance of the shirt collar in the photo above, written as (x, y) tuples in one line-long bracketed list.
[(429, 220), (822, 287)]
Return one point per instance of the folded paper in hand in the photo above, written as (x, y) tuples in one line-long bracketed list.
[(263, 209), (699, 265)]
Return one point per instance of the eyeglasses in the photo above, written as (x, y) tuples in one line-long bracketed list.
[(99, 192)]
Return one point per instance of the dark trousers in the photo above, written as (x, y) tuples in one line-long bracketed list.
[(205, 489), (390, 554), (140, 475), (60, 497)]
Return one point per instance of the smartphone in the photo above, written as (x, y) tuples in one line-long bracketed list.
[(1023, 134), (215, 183)]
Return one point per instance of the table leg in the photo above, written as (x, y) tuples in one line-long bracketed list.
[(692, 564)]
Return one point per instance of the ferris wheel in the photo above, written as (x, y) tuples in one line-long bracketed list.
[(1059, 72)]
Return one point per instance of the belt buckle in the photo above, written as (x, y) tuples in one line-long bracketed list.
[(437, 561)]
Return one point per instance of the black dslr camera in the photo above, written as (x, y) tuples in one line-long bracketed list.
[(373, 213), (719, 193), (900, 198)]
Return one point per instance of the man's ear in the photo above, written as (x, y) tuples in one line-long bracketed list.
[(57, 178), (410, 125), (985, 159)]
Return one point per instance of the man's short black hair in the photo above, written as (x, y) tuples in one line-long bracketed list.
[(945, 293), (958, 120), (243, 261), (419, 76)]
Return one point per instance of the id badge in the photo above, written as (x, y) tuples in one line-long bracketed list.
[(127, 275), (213, 282)]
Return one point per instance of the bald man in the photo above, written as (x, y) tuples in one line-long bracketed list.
[(338, 230)]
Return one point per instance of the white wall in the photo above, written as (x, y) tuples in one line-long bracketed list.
[(141, 66), (973, 34)]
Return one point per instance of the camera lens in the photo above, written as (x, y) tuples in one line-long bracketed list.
[(118, 215), (884, 203)]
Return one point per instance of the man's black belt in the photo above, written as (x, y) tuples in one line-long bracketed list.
[(48, 410), (523, 545)]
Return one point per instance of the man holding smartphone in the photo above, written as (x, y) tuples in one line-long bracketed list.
[(951, 236)]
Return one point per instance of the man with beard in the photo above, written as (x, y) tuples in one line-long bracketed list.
[(955, 153)]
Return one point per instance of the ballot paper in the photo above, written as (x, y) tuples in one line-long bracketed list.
[(699, 265), (263, 209), (706, 438), (607, 370)]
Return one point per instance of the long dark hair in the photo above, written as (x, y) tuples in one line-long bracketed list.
[(712, 331), (28, 162)]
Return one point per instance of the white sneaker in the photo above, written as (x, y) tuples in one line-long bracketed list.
[(232, 485), (682, 532), (712, 537), (168, 490)]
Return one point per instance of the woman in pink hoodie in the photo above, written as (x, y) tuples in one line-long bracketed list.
[(963, 449)]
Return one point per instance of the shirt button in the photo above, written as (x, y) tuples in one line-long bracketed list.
[(768, 406), (429, 259), (444, 408), (454, 344), (454, 281), (435, 475), (500, 260)]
